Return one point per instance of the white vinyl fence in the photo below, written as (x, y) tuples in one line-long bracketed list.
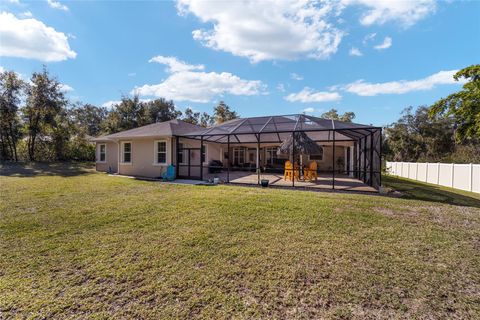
[(458, 176)]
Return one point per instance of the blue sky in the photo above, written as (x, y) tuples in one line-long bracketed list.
[(370, 57)]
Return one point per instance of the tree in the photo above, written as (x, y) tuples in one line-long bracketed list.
[(11, 87), (159, 110), (333, 114), (45, 100), (88, 119), (206, 120), (464, 105), (190, 116), (417, 136), (128, 114), (222, 113)]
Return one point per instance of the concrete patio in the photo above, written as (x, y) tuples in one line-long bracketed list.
[(342, 182)]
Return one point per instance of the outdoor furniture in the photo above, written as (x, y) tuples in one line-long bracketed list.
[(290, 172), (310, 172)]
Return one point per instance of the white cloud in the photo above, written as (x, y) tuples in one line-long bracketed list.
[(31, 38), (267, 30), (281, 87), (14, 1), (57, 5), (309, 110), (387, 43), (175, 65), (111, 103), (66, 88), (295, 76), (355, 52), (406, 12), (185, 83), (309, 95), (362, 88), (2, 69), (26, 14), (369, 37)]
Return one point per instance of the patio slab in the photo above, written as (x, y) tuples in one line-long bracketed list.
[(342, 182)]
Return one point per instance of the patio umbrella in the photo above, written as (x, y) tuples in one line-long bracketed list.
[(303, 145)]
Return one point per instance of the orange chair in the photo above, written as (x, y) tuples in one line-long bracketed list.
[(290, 173), (311, 171)]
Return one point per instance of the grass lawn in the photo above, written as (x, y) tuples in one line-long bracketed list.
[(75, 243)]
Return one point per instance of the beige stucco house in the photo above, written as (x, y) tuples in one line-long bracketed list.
[(245, 146)]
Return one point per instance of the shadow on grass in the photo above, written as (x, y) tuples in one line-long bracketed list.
[(33, 169), (429, 192)]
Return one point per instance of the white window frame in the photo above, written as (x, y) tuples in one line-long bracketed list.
[(122, 152), (270, 150), (155, 155), (238, 149), (99, 155)]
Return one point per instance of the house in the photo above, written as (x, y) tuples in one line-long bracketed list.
[(244, 150)]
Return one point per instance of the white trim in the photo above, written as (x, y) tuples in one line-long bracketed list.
[(155, 154), (122, 153), (206, 154), (238, 149), (99, 153)]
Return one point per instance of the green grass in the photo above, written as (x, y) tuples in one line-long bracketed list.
[(82, 244)]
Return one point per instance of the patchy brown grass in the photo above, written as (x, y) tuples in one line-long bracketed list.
[(87, 245)]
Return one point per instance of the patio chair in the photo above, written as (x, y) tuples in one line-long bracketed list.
[(311, 171), (290, 173)]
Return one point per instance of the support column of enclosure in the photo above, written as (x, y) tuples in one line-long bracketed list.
[(228, 158), (293, 159), (371, 160), (333, 160), (258, 159), (201, 158)]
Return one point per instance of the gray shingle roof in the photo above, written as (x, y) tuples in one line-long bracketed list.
[(166, 128)]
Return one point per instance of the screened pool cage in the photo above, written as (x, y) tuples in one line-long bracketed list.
[(245, 150)]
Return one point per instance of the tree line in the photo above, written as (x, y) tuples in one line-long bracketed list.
[(447, 131), (38, 123)]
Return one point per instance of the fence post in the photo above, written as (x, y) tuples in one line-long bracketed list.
[(426, 173), (453, 173), (438, 173), (416, 170), (471, 177)]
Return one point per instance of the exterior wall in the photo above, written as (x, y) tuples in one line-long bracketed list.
[(111, 163), (459, 176), (143, 158), (216, 151)]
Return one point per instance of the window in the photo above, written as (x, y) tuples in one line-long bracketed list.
[(238, 156), (271, 155), (126, 152), (102, 153), (161, 152), (318, 156)]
